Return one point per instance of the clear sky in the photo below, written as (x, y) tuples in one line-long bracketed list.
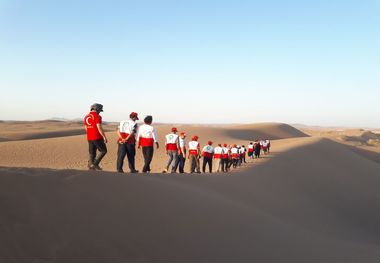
[(198, 61)]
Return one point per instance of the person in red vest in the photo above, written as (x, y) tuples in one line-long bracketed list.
[(207, 153), (172, 150), (226, 157), (127, 143), (235, 156), (218, 156), (251, 149), (146, 138), (95, 136), (194, 154)]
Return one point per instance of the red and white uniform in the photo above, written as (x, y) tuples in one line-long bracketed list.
[(251, 148), (90, 122), (127, 127), (172, 142), (147, 135), (264, 144), (218, 152), (226, 152), (242, 151), (207, 151), (193, 147), (235, 153)]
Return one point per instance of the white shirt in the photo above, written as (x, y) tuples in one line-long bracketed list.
[(171, 138), (218, 150), (127, 126), (182, 142), (208, 149), (234, 150), (147, 131)]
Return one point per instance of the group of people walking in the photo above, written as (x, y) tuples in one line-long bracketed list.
[(145, 137)]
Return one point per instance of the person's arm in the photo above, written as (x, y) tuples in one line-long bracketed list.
[(178, 146), (155, 138), (101, 131), (183, 149), (120, 137)]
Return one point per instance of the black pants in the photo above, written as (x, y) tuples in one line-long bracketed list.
[(207, 160), (130, 151), (181, 163), (224, 164), (257, 154), (148, 155), (94, 145), (235, 163)]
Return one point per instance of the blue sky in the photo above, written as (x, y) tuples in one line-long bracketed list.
[(311, 62)]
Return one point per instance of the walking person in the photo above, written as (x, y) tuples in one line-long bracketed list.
[(172, 148), (240, 155), (127, 143), (218, 156), (251, 149), (264, 146), (243, 152), (225, 158), (268, 144), (235, 156), (146, 138), (182, 152), (207, 153), (257, 149), (194, 154), (95, 136)]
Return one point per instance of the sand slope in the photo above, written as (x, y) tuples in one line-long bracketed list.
[(316, 201), (70, 152)]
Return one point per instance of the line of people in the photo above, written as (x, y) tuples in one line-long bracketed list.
[(145, 137)]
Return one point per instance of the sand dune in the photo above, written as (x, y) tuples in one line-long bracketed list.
[(270, 131), (312, 200), (364, 138), (316, 201)]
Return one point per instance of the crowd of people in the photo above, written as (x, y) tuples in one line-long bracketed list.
[(178, 151)]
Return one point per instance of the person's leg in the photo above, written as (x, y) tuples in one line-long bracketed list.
[(178, 163), (182, 163), (210, 165), (204, 164), (197, 164), (218, 164), (145, 155), (102, 148), (150, 156), (91, 153), (222, 164), (192, 163), (131, 154), (121, 152), (175, 161), (170, 155)]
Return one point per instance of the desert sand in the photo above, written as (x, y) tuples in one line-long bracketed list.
[(315, 198)]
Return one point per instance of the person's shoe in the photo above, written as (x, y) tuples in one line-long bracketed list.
[(165, 171), (91, 167), (120, 171), (97, 167), (134, 171)]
